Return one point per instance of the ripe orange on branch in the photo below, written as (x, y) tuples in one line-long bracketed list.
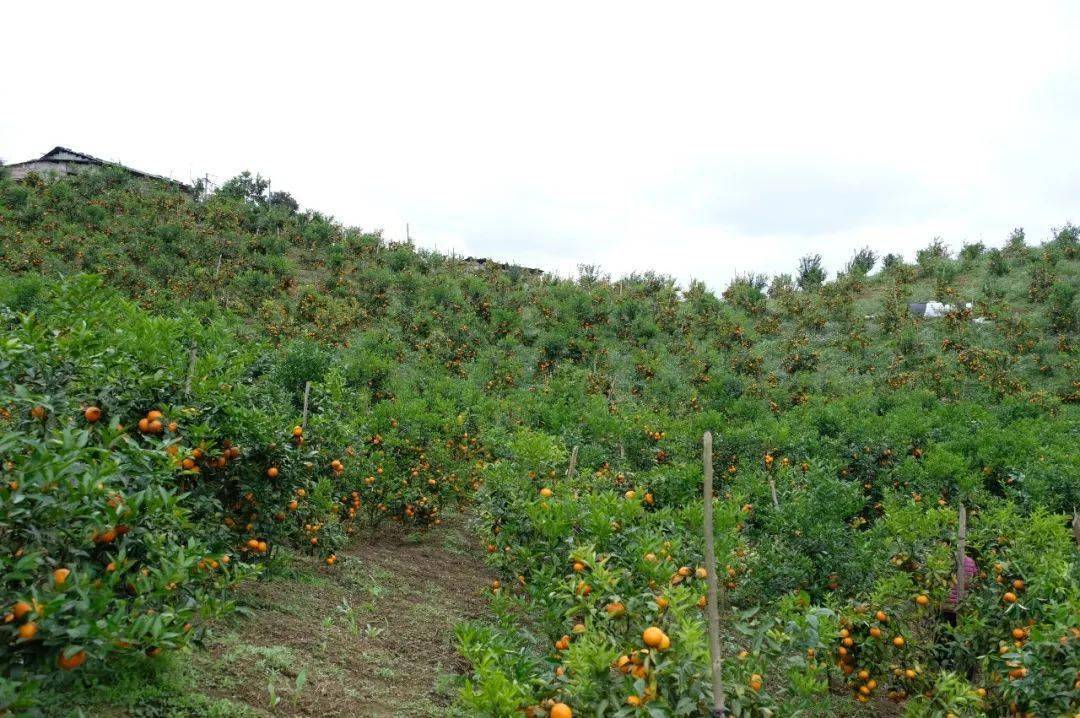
[(652, 636), (71, 662)]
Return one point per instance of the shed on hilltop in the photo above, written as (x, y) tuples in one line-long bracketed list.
[(62, 161)]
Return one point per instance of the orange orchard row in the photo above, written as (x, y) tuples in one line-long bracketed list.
[(863, 683), (153, 423)]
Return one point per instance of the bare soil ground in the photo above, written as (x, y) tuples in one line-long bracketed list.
[(371, 636)]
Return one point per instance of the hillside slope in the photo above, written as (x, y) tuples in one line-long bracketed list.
[(435, 382)]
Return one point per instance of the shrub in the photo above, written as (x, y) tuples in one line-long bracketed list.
[(1062, 307), (811, 274), (745, 292), (1042, 279), (1016, 247), (972, 251), (302, 361), (1066, 241), (997, 263), (944, 275), (782, 285), (931, 257), (111, 556), (862, 263)]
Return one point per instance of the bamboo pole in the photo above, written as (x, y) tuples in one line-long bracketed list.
[(307, 393), (217, 273), (961, 570), (710, 567), (192, 354)]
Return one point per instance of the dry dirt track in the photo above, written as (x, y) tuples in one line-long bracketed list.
[(374, 633)]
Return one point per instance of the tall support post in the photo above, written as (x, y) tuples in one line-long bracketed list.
[(961, 570), (710, 567), (307, 393), (192, 355)]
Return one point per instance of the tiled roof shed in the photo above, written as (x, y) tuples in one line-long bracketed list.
[(64, 161)]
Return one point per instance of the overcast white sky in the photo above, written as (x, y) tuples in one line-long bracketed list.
[(694, 139)]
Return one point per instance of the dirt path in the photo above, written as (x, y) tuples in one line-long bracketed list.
[(373, 636)]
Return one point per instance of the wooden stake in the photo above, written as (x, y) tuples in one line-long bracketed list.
[(961, 570), (710, 567), (772, 488), (190, 371), (573, 464), (307, 393), (217, 271), (1076, 527)]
